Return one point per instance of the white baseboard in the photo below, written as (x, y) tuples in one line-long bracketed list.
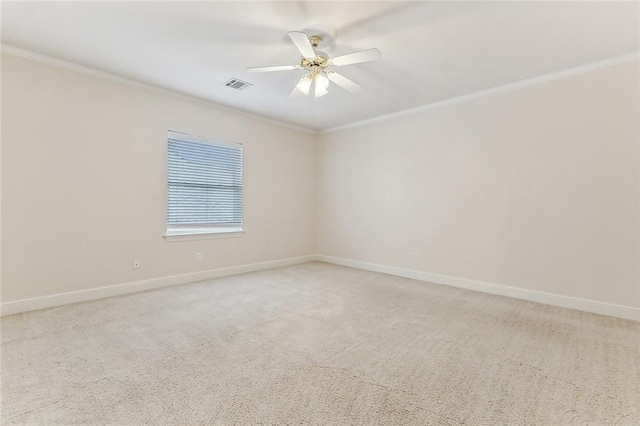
[(618, 311), (26, 305)]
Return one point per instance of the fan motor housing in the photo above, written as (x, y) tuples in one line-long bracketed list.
[(320, 61)]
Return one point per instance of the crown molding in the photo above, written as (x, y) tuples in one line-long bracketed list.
[(38, 57), (606, 63)]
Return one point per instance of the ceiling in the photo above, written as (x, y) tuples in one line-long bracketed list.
[(430, 51)]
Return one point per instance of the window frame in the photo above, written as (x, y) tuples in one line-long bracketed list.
[(201, 231)]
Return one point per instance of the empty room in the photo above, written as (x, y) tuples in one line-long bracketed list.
[(320, 213)]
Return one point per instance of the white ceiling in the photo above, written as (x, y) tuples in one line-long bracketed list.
[(430, 51)]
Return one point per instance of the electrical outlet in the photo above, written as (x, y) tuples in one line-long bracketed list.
[(414, 256), (198, 257), (136, 263)]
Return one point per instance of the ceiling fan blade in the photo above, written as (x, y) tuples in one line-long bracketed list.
[(357, 57), (273, 68), (296, 93), (302, 44), (344, 82)]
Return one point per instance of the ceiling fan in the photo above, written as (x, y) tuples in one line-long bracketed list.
[(319, 65)]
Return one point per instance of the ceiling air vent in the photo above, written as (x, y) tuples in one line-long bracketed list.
[(234, 83)]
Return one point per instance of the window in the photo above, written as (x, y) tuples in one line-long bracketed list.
[(204, 185)]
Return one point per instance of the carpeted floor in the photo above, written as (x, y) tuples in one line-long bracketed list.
[(318, 344)]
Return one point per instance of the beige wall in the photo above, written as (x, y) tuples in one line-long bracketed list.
[(84, 183), (535, 188)]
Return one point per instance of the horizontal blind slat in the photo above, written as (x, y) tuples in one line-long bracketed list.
[(204, 183)]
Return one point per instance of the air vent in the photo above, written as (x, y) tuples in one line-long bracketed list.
[(234, 83)]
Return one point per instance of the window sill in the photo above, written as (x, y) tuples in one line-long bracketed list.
[(235, 233)]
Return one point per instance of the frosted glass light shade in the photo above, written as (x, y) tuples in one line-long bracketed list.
[(322, 83), (305, 84)]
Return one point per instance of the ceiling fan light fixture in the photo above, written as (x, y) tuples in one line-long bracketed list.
[(305, 84), (322, 84)]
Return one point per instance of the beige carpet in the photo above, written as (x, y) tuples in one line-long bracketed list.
[(318, 344)]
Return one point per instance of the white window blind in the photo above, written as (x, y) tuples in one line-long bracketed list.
[(204, 185)]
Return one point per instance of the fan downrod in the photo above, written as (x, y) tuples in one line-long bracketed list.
[(315, 40), (320, 62)]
